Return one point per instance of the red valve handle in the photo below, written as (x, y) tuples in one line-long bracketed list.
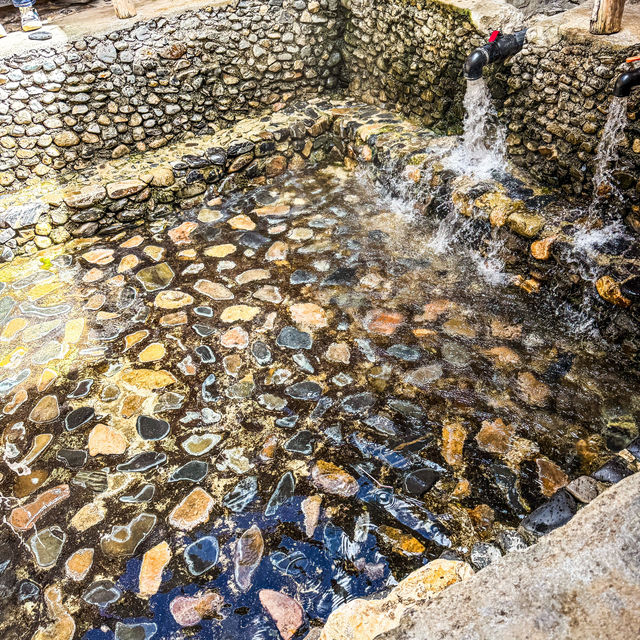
[(635, 59), (494, 36)]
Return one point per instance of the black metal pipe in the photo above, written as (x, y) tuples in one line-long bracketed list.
[(500, 49), (626, 82)]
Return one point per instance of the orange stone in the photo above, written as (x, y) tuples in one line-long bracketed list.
[(541, 249), (482, 516), (127, 263), (107, 441), (609, 290), (550, 476), (242, 222), (308, 315), (19, 398), (136, 241), (153, 563), (284, 610), (462, 489), (433, 310), (133, 338), (24, 518), (496, 436), (235, 338), (93, 275), (273, 210), (63, 626), (95, 302), (46, 410), (383, 322), (213, 290), (151, 353), (535, 392), (503, 356), (77, 566), (173, 319), (99, 256), (453, 437), (182, 233), (192, 511)]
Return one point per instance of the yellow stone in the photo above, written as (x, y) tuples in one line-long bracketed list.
[(148, 379), (153, 352), (209, 215), (107, 441), (63, 626), (172, 299), (46, 378), (155, 253), (133, 338), (13, 328), (453, 437), (220, 250), (88, 516), (43, 289), (73, 330), (239, 312), (13, 358)]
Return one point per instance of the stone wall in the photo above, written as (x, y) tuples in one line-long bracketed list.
[(132, 90), (560, 90)]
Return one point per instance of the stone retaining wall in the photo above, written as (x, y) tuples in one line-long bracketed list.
[(408, 54), (560, 88), (131, 90)]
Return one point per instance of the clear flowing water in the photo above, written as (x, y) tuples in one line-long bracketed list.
[(607, 151), (288, 389), (481, 151)]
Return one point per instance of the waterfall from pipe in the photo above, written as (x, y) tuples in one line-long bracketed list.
[(481, 151), (607, 151)]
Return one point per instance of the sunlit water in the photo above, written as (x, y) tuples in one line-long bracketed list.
[(481, 152), (411, 344)]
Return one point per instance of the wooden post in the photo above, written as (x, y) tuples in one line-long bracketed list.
[(124, 8), (607, 16)]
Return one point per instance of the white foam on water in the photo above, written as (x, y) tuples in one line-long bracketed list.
[(607, 151), (481, 151)]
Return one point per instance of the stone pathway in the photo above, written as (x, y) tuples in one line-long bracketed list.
[(234, 421)]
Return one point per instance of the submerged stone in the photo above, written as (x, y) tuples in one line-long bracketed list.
[(420, 481), (82, 388), (282, 494), (292, 338), (46, 546), (143, 462), (242, 494), (551, 515), (136, 631), (284, 610), (72, 458), (145, 494), (123, 540), (155, 277), (358, 403), (330, 478), (304, 390), (194, 509), (247, 556), (199, 444), (102, 593), (193, 471), (302, 443), (288, 422), (202, 555), (152, 428)]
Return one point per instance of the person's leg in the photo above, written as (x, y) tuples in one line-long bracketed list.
[(30, 17)]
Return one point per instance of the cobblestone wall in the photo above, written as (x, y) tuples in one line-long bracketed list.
[(409, 54), (557, 108), (137, 89)]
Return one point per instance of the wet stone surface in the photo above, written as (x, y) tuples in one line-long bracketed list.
[(201, 440)]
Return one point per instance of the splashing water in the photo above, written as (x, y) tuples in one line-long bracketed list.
[(482, 149), (607, 152)]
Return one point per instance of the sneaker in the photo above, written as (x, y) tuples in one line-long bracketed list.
[(3, 33), (30, 19)]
